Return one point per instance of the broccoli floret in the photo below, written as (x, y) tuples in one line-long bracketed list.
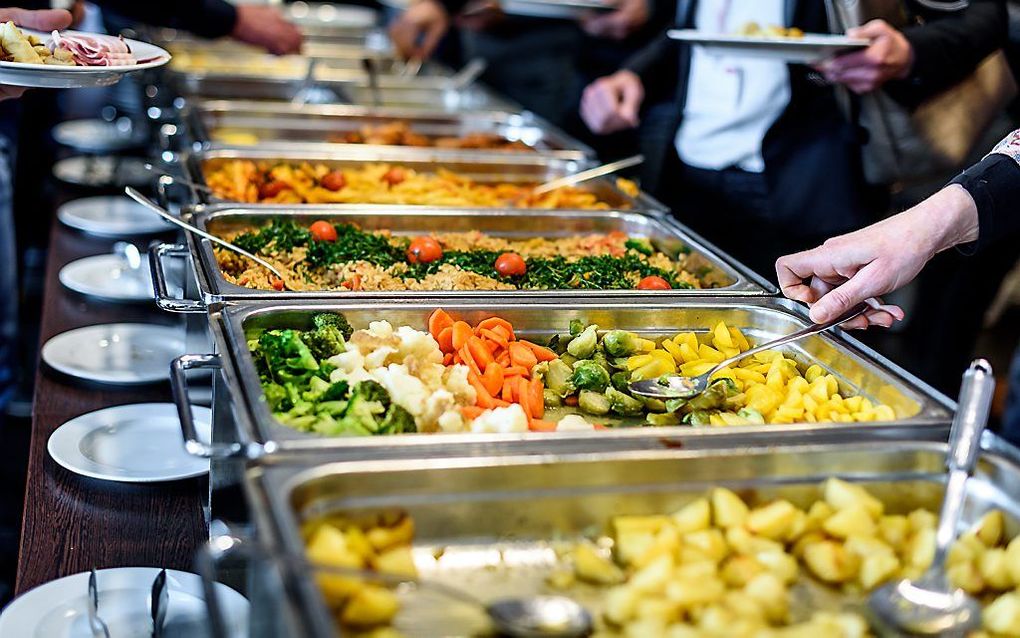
[(277, 397), (397, 421), (288, 359), (362, 416), (333, 320), (642, 246), (336, 392), (372, 391)]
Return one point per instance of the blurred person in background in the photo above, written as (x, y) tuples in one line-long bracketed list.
[(974, 213)]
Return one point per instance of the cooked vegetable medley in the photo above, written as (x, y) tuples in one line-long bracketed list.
[(458, 377), (719, 567), (267, 182), (329, 256)]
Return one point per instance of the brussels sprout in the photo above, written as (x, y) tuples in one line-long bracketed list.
[(576, 327), (557, 378), (552, 400), (620, 343), (620, 380), (715, 396), (662, 419), (674, 405), (593, 403), (583, 345), (654, 405), (599, 357), (568, 359), (589, 375), (698, 417), (752, 415), (558, 343), (624, 404)]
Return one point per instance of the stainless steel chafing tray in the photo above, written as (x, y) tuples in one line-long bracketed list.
[(495, 522), (521, 168), (231, 121), (666, 235), (920, 410)]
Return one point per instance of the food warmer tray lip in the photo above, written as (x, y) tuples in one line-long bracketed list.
[(258, 428), (191, 162), (559, 143), (270, 488), (214, 288)]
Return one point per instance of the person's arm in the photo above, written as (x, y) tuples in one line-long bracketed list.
[(994, 184)]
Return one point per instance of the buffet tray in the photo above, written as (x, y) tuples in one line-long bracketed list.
[(495, 522), (920, 410), (267, 122), (480, 167), (666, 234)]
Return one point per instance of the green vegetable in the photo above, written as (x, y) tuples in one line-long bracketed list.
[(653, 405), (588, 375), (698, 417), (642, 246), (557, 376), (365, 412), (662, 419), (576, 327), (283, 235), (593, 403), (286, 357), (397, 421), (599, 357), (624, 404), (333, 320), (752, 415), (620, 343), (277, 397), (583, 345), (620, 380), (551, 399), (714, 398), (674, 405)]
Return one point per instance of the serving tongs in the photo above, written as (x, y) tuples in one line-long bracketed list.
[(165, 214), (589, 174)]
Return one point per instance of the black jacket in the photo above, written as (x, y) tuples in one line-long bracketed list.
[(812, 153), (994, 183), (207, 18)]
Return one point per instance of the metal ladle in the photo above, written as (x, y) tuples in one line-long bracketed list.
[(680, 387), (159, 210), (931, 605)]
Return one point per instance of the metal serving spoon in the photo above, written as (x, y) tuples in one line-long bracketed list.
[(311, 92), (931, 606), (165, 177), (681, 387), (159, 210), (591, 173)]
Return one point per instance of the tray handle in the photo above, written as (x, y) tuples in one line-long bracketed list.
[(179, 390), (160, 289)]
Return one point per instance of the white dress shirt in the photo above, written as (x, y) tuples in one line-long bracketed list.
[(732, 102)]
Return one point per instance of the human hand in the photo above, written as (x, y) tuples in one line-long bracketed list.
[(44, 20), (625, 19), (890, 57), (873, 261), (612, 103), (265, 27), (417, 31)]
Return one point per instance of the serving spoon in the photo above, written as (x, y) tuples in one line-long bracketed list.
[(589, 174), (931, 605), (167, 178), (165, 214), (677, 386)]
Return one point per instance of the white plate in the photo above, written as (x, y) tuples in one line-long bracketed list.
[(58, 609), (108, 278), (103, 171), (94, 135), (69, 77), (111, 216), (137, 443), (116, 353), (807, 50)]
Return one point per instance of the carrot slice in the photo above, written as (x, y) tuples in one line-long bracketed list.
[(481, 355), (448, 359), (461, 333), (492, 378), (523, 398), (521, 355), (493, 336), (469, 361), (571, 401), (439, 320), (499, 403), (445, 339), (508, 390), (536, 397), (541, 353), (537, 425), (492, 346), (497, 324), (471, 412), (503, 358), (516, 371), (484, 399)]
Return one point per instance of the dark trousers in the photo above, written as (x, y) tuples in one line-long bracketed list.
[(731, 208)]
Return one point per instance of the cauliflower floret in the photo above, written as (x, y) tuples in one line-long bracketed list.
[(456, 381), (573, 423), (378, 357), (451, 421), (348, 361), (405, 390), (381, 329), (501, 421), (415, 343), (440, 402)]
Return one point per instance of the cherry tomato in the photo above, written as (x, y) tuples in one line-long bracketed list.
[(654, 283), (424, 250), (323, 231), (510, 265), (334, 181), (394, 176), (277, 283), (272, 189)]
